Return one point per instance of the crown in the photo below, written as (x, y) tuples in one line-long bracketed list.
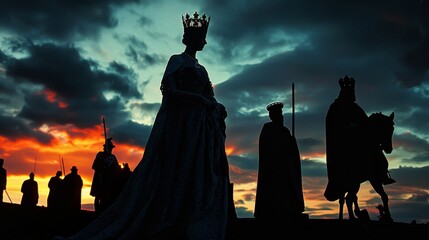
[(195, 24), (275, 106), (347, 92), (346, 82)]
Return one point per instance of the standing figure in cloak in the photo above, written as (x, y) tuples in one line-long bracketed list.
[(179, 190), (279, 187), (106, 176), (30, 192), (55, 196), (73, 184), (3, 179), (345, 158)]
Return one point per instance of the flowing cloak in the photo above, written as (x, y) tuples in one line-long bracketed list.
[(179, 190), (30, 193), (279, 186), (72, 184), (106, 179), (345, 153), (3, 178), (55, 195)]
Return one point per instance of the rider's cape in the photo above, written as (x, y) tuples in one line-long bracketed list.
[(345, 158)]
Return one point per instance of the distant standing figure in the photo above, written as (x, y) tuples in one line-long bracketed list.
[(3, 179), (55, 197), (72, 190), (30, 192), (125, 175), (106, 177), (279, 187)]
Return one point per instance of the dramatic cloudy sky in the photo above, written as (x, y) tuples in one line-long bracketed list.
[(66, 64)]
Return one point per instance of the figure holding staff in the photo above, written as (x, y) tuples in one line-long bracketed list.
[(279, 174)]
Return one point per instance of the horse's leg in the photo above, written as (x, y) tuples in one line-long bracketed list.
[(341, 203), (352, 199), (378, 187), (357, 209)]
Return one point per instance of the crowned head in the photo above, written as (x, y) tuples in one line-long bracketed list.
[(347, 91), (275, 112), (195, 27), (275, 107)]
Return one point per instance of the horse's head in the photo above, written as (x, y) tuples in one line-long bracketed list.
[(382, 127)]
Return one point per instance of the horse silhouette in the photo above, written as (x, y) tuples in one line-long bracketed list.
[(379, 131)]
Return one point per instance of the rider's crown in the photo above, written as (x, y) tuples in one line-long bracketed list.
[(346, 82)]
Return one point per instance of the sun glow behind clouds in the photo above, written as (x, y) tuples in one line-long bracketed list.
[(70, 147)]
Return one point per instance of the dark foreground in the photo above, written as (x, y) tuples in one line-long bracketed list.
[(39, 223)]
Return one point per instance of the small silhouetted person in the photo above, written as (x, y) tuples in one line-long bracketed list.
[(72, 190), (279, 188), (106, 177), (125, 175), (55, 197), (3, 179), (30, 192)]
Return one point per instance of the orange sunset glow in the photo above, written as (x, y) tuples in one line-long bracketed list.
[(78, 147), (70, 145)]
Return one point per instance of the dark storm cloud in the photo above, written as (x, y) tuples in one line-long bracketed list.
[(418, 119), (60, 20), (7, 89), (415, 177), (144, 21), (131, 132), (247, 163), (15, 128), (243, 212), (137, 52), (411, 210), (238, 133), (345, 28), (311, 168), (414, 144), (422, 196), (3, 56), (77, 83)]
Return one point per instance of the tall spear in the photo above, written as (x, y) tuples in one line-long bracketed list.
[(59, 160), (104, 126), (293, 109), (8, 196), (35, 163), (64, 168)]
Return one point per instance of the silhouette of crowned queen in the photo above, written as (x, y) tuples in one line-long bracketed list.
[(180, 188)]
